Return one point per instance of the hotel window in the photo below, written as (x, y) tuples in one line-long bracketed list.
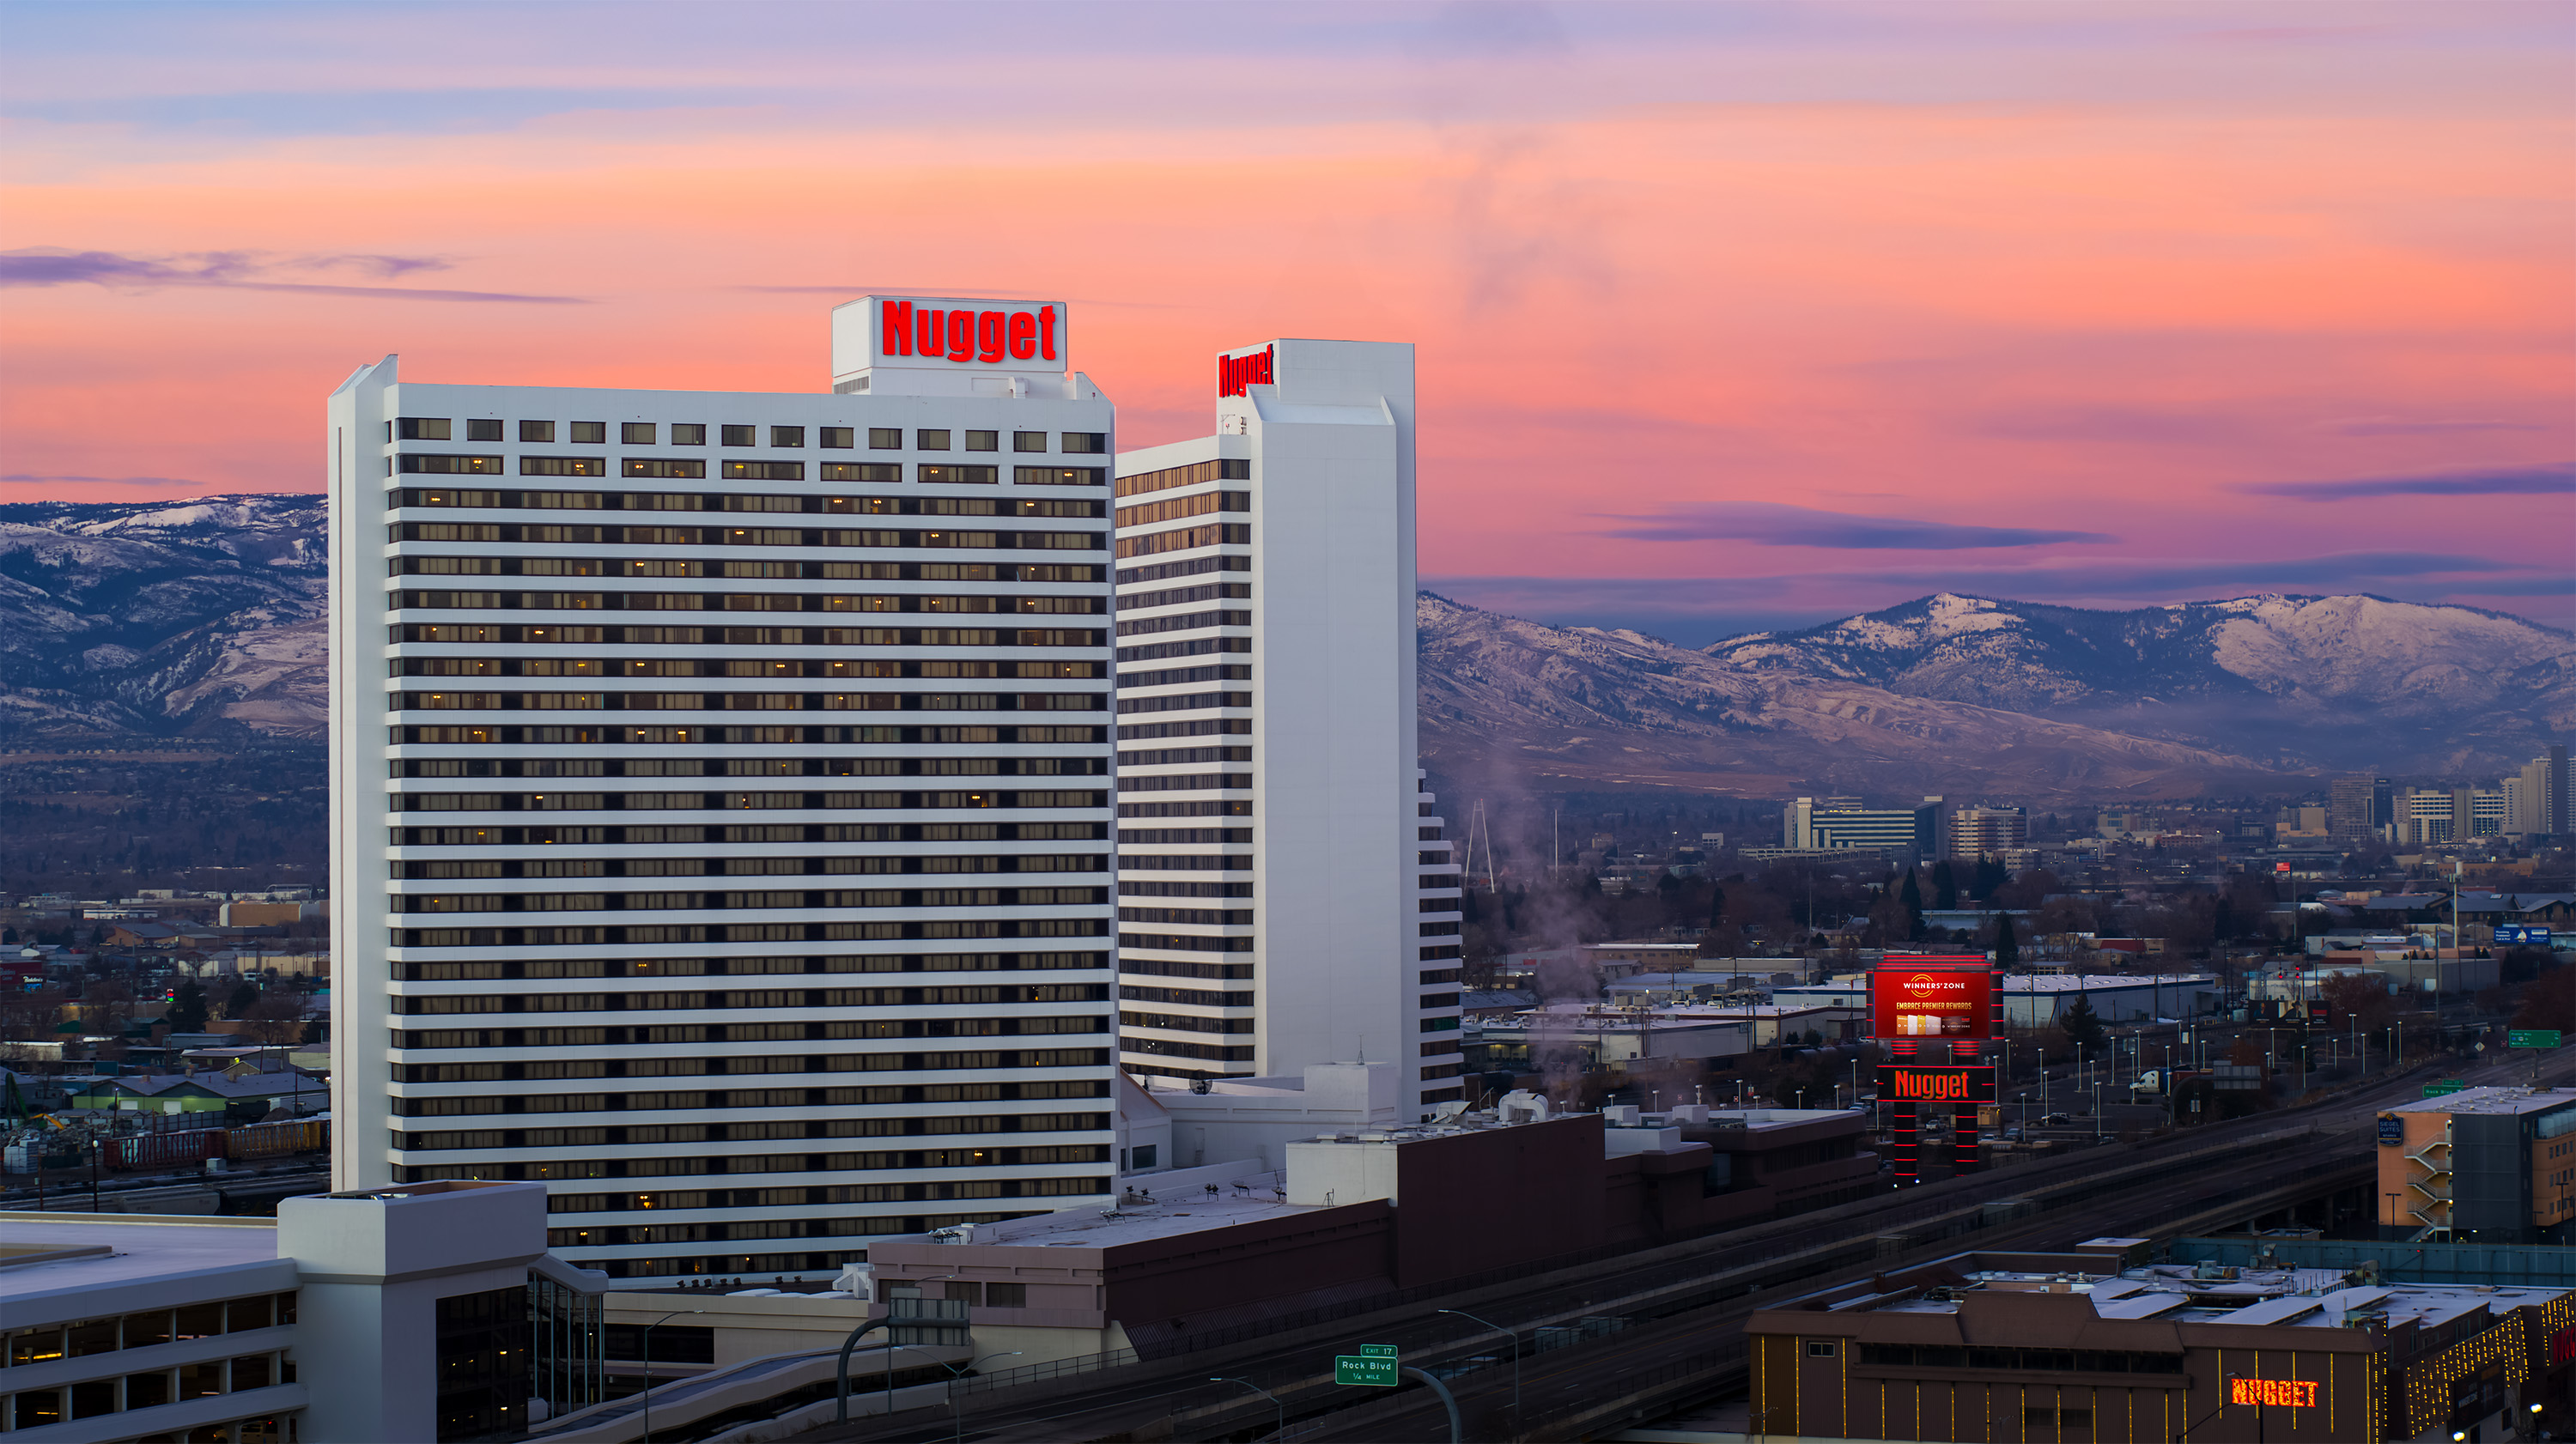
[(837, 438), (930, 440), (1094, 442), (482, 430), (764, 471), (688, 433), (422, 428), (741, 436), (885, 438), (983, 441), (661, 468), (1028, 441), (536, 431), (636, 433), (787, 436), (862, 471), (563, 465), (588, 433)]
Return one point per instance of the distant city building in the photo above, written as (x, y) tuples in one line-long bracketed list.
[(1977, 832), (1838, 824), (2536, 801), (1287, 895), (2357, 808)]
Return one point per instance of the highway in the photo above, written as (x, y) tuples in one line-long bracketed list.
[(1686, 1302)]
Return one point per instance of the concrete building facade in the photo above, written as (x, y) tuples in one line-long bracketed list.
[(721, 794), (1287, 895)]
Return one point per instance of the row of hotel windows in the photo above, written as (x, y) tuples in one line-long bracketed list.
[(625, 902), (664, 1200), (744, 866), (992, 995), (407, 1107), (738, 801), (928, 473), (516, 969), (750, 601), (769, 1063), (719, 667), (739, 501), (632, 1135), (686, 433), (514, 634), (755, 832)]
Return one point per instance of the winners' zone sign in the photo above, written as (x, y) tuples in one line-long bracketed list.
[(1935, 996)]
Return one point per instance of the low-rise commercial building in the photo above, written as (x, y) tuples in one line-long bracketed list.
[(2483, 1165), (427, 1313), (2043, 1348)]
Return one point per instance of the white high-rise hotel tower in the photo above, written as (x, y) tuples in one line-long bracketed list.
[(1286, 896), (721, 800)]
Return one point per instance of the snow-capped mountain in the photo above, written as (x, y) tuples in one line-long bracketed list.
[(2340, 681), (165, 619), (1952, 693), (162, 618)]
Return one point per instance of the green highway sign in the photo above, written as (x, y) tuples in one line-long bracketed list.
[(2532, 1038), (2447, 1085), (1376, 1367)]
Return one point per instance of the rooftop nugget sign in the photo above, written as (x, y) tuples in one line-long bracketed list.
[(1233, 373), (1021, 336)]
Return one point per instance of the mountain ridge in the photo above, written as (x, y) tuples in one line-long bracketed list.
[(171, 620)]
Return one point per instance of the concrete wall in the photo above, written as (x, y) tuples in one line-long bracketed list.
[(1260, 1117), (373, 1268)]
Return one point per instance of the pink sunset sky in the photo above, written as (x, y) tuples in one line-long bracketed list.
[(1729, 316)]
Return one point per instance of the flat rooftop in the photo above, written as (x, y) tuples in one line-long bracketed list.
[(2493, 1101), (2191, 1294), (1143, 1216), (43, 1253)]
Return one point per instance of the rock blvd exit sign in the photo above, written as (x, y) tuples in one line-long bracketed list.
[(1374, 1365), (2532, 1038)]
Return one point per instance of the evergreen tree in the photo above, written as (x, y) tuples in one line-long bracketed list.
[(2007, 946), (2083, 1026), (1912, 898), (1716, 908), (1989, 876), (1945, 886), (243, 998), (187, 1010)]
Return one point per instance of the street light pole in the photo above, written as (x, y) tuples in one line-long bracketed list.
[(957, 1411), (1266, 1394), (647, 1351), (1516, 1357)]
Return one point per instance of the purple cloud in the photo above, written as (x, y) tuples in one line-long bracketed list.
[(2550, 479), (1771, 524), (234, 270)]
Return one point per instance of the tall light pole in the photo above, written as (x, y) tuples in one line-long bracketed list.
[(957, 1411), (647, 1351), (1516, 1355), (1266, 1394)]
